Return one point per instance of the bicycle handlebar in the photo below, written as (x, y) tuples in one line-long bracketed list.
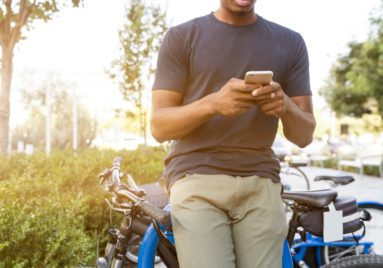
[(120, 189)]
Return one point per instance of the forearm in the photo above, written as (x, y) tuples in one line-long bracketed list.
[(169, 123), (172, 120), (298, 124)]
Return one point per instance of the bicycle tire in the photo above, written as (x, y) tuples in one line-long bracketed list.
[(331, 253), (361, 261), (290, 178)]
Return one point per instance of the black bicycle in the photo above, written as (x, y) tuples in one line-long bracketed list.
[(138, 213), (292, 175)]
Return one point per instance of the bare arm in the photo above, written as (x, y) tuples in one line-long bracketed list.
[(296, 113), (298, 120), (172, 120)]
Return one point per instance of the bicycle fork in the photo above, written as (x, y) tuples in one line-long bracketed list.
[(115, 249), (103, 262)]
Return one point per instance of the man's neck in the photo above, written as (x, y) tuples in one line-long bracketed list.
[(235, 18)]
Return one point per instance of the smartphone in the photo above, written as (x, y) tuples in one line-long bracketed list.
[(259, 77)]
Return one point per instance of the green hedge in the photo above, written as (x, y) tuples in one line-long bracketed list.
[(51, 209)]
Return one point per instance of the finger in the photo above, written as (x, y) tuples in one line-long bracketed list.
[(252, 87), (272, 108), (266, 96), (245, 103), (266, 89), (244, 96), (263, 102)]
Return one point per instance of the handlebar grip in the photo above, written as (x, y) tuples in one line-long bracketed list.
[(161, 216)]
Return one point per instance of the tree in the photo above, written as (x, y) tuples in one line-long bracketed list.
[(140, 39), (355, 82), (33, 129), (14, 17)]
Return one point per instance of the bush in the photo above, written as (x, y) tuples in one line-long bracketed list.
[(51, 209)]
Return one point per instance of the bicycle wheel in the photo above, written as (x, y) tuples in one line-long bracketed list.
[(362, 261), (332, 253), (294, 179)]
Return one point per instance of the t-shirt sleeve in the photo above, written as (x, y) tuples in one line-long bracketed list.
[(172, 69), (298, 79)]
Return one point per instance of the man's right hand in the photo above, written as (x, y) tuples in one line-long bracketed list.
[(233, 98)]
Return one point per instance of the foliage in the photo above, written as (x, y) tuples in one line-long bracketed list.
[(356, 78), (16, 14), (14, 17), (140, 40), (52, 210), (32, 130)]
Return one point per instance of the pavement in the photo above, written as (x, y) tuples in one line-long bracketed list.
[(363, 188)]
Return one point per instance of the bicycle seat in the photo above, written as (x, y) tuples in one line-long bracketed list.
[(338, 180), (316, 199), (298, 164), (155, 194)]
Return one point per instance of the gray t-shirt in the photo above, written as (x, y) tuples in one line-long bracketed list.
[(197, 58)]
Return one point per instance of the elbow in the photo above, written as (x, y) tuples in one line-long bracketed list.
[(304, 142), (309, 136), (158, 138), (156, 132), (301, 142), (304, 138)]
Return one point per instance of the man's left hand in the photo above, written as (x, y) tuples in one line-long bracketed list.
[(271, 99)]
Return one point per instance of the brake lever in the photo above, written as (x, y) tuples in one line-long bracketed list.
[(134, 188), (106, 173), (114, 208)]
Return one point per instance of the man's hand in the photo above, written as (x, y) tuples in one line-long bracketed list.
[(233, 98), (296, 113), (271, 99)]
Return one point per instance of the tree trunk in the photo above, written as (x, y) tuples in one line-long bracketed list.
[(142, 116), (6, 78), (144, 126)]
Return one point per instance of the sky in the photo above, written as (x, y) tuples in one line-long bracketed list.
[(80, 44)]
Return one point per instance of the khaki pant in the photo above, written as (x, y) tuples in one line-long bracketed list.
[(222, 221)]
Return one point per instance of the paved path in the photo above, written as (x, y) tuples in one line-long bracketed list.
[(363, 188)]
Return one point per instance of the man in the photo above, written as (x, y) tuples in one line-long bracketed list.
[(222, 173)]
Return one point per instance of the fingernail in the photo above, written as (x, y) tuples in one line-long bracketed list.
[(254, 93)]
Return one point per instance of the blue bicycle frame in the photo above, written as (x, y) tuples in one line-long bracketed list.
[(300, 247), (371, 203), (150, 242)]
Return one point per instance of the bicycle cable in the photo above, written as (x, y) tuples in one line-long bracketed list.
[(100, 226)]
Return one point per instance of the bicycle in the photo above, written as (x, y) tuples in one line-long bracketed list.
[(314, 252), (158, 237), (292, 175), (124, 242), (374, 227)]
